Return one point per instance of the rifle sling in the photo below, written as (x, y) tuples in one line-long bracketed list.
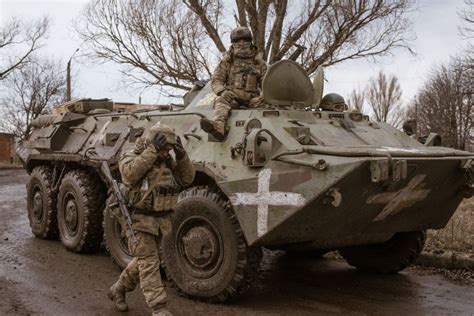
[(152, 187)]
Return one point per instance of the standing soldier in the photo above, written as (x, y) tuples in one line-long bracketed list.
[(236, 81), (152, 180)]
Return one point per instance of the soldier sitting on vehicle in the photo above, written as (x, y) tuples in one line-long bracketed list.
[(236, 81), (152, 180), (333, 102)]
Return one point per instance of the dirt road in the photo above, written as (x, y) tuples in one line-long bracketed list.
[(41, 277)]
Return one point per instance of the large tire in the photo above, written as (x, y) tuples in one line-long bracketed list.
[(115, 241), (81, 200), (41, 203), (390, 257), (206, 255)]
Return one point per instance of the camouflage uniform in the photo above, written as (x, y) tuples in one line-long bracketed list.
[(241, 77), (140, 168), (237, 82)]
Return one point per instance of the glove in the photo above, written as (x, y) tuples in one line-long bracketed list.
[(160, 141), (256, 102), (179, 149), (228, 95)]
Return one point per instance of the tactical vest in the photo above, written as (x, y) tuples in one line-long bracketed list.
[(157, 192), (244, 75)]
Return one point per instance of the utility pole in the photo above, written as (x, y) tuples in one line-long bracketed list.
[(416, 118), (68, 77)]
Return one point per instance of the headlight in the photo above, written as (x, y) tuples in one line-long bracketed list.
[(252, 124)]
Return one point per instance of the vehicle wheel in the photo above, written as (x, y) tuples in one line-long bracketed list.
[(80, 204), (206, 254), (115, 240), (390, 257), (41, 203)]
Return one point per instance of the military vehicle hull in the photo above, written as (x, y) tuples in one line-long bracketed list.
[(286, 175)]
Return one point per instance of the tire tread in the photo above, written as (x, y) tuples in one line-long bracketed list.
[(91, 191), (248, 258), (51, 230)]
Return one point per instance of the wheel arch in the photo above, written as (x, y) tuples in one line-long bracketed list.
[(207, 177)]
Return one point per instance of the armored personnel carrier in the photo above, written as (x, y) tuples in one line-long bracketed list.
[(287, 176)]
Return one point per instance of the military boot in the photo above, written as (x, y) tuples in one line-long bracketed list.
[(216, 129), (117, 295)]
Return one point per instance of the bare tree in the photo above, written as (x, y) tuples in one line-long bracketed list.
[(356, 100), (467, 28), (445, 103), (159, 42), (173, 43), (18, 42), (467, 17), (29, 92), (384, 96)]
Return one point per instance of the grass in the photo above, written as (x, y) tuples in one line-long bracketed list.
[(458, 235)]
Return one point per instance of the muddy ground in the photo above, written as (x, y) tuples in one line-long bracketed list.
[(41, 277)]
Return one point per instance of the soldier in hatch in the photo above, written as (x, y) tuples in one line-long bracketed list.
[(236, 81), (333, 102), (152, 180)]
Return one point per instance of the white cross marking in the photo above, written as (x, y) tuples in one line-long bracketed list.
[(263, 198)]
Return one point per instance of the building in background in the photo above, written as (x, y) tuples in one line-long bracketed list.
[(7, 148)]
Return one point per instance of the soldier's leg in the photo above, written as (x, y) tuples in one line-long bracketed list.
[(148, 261), (216, 126), (222, 108), (129, 277), (127, 282)]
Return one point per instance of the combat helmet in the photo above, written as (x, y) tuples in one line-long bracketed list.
[(333, 102), (162, 129), (241, 32)]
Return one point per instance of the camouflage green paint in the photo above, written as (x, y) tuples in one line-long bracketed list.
[(290, 149)]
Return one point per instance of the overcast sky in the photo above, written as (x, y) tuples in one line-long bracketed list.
[(435, 25)]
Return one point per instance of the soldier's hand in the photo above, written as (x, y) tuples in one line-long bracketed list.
[(160, 141), (179, 149), (256, 102), (228, 94)]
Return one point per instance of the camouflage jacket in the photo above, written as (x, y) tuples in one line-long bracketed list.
[(243, 76), (141, 166)]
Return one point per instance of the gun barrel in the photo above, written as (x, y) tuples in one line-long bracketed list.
[(118, 195)]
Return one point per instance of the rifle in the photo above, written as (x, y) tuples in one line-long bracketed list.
[(120, 200)]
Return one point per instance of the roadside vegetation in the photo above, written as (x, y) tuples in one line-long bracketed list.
[(458, 235)]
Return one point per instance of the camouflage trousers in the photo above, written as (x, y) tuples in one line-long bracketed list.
[(224, 104), (145, 269)]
